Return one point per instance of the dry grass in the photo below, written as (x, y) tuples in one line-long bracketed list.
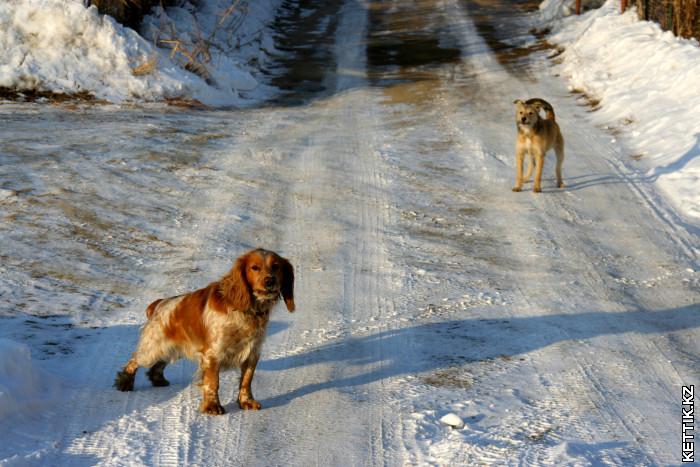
[(147, 67), (194, 54), (586, 99), (454, 377), (185, 103), (228, 12), (197, 55), (47, 96)]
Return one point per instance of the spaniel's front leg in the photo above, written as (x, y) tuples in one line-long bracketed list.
[(245, 395), (210, 387)]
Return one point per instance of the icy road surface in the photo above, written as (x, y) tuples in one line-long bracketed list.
[(559, 327)]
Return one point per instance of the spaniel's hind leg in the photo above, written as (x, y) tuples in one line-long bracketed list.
[(152, 351), (124, 380), (155, 374)]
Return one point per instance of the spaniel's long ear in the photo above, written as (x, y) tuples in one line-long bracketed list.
[(288, 284), (235, 287)]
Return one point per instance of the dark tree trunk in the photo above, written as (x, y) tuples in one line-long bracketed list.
[(128, 12)]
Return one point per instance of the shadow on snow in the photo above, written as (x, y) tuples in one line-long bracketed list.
[(429, 347)]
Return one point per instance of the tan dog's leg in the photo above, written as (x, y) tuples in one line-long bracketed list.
[(530, 166), (210, 387), (519, 155), (245, 395), (559, 150), (539, 159)]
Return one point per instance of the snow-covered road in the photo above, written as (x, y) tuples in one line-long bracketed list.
[(560, 327)]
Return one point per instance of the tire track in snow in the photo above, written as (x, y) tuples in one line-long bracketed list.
[(560, 225), (337, 251), (81, 438), (548, 259), (170, 414)]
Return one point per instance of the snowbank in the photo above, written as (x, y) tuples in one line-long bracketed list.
[(647, 81), (61, 46), (24, 387)]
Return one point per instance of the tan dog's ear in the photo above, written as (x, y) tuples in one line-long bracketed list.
[(518, 102), (287, 288), (235, 288)]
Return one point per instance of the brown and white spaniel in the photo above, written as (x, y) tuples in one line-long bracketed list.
[(220, 326)]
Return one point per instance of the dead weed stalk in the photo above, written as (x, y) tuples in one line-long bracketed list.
[(195, 54)]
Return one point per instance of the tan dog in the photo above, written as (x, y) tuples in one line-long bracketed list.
[(536, 136), (220, 326)]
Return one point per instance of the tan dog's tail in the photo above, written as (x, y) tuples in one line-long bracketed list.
[(542, 104)]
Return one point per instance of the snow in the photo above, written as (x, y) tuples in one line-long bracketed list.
[(235, 45), (24, 387), (557, 327), (63, 47), (646, 82)]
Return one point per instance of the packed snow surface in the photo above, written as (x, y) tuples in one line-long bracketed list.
[(205, 53), (645, 81)]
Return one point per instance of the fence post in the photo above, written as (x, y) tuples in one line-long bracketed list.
[(623, 6), (578, 7)]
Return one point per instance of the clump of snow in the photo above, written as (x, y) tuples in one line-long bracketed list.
[(647, 82), (23, 386), (61, 46), (452, 420)]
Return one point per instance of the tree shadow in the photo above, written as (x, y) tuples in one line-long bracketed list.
[(429, 347)]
